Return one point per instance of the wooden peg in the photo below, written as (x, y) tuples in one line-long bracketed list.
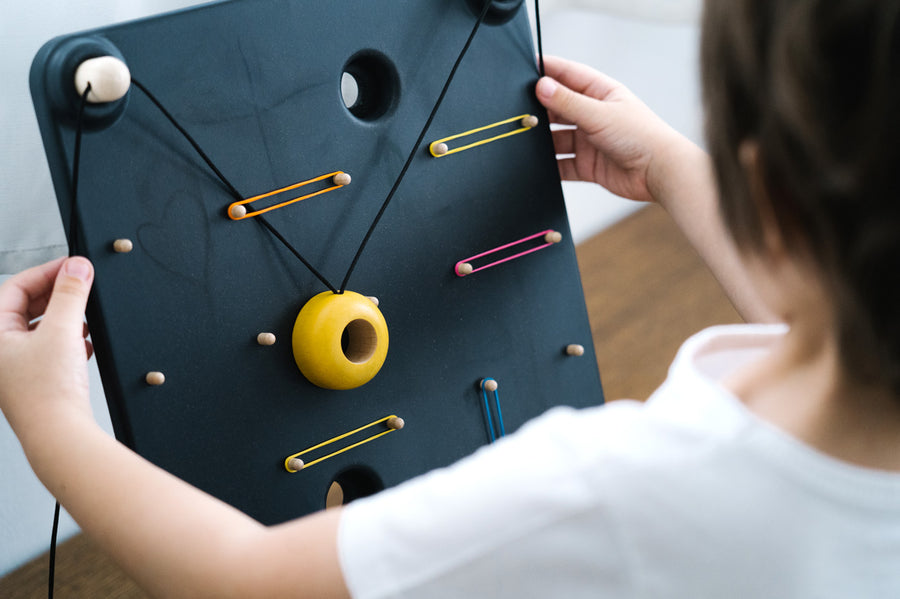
[(122, 246), (396, 423), (489, 384), (575, 350), (465, 269), (155, 378), (439, 149), (266, 339), (553, 237), (342, 179), (530, 121), (238, 211), (296, 464), (373, 299)]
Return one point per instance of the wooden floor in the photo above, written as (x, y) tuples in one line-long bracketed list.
[(646, 291)]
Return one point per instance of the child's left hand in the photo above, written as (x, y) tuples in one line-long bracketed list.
[(43, 364)]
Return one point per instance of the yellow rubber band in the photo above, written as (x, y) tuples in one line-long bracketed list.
[(522, 129), (288, 459), (282, 190)]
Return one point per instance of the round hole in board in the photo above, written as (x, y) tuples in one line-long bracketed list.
[(352, 483), (370, 85)]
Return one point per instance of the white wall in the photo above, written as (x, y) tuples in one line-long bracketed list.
[(650, 45)]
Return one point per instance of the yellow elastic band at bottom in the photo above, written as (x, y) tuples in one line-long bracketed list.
[(288, 459)]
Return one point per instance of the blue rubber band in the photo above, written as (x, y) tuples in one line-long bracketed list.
[(501, 430)]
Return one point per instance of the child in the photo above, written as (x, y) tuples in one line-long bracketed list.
[(767, 465)]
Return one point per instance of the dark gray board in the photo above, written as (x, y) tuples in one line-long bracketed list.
[(257, 83)]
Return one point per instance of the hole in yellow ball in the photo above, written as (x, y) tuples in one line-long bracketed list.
[(359, 340)]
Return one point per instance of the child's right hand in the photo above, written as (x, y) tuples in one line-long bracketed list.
[(618, 141), (621, 144)]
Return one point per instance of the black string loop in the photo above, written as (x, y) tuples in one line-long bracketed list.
[(52, 566), (238, 196), (76, 162), (540, 45), (412, 154), (231, 188), (73, 251)]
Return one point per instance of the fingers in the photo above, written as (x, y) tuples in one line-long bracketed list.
[(557, 119), (24, 296), (70, 293), (580, 78), (575, 94), (587, 113)]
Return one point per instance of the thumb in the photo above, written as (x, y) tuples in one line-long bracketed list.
[(70, 294), (570, 106)]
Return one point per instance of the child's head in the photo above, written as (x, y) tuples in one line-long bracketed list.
[(814, 85)]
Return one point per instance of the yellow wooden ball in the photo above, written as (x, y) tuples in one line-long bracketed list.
[(340, 341)]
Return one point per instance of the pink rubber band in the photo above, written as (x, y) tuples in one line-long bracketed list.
[(501, 248)]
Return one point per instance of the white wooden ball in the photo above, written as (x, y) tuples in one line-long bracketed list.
[(109, 78)]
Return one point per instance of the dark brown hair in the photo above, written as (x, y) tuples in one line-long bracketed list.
[(816, 85)]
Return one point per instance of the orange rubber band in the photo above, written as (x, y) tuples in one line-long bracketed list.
[(283, 189)]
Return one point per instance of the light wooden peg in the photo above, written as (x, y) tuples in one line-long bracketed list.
[(530, 121), (373, 299), (342, 179), (439, 149), (155, 378), (296, 464), (266, 339), (123, 246), (553, 237), (396, 423), (490, 385), (238, 211), (465, 269), (575, 350)]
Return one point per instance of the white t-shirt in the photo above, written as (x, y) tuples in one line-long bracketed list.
[(687, 495)]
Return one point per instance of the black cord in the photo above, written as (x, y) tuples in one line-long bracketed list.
[(76, 160), (237, 195), (412, 154), (76, 163), (231, 188), (52, 568), (73, 250), (540, 45), (188, 137), (396, 185)]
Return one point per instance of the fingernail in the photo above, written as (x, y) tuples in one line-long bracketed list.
[(546, 87), (78, 268)]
